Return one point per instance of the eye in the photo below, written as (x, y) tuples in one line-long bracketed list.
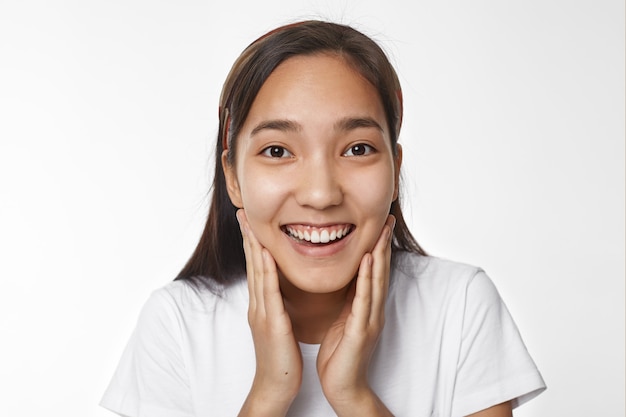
[(276, 152), (359, 149)]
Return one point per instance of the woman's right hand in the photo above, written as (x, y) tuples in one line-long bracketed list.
[(278, 358)]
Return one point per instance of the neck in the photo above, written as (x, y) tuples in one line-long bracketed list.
[(311, 314)]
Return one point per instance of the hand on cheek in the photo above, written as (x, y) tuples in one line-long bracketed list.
[(345, 353), (278, 359)]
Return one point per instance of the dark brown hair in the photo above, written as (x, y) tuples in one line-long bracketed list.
[(219, 256)]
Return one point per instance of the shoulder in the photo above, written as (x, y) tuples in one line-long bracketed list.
[(440, 281), (179, 309), (430, 270), (181, 297)]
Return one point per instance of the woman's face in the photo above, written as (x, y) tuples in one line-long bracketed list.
[(315, 172)]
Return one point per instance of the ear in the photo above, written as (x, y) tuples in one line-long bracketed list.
[(397, 165), (232, 185)]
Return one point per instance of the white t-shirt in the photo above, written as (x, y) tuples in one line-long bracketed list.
[(449, 348)]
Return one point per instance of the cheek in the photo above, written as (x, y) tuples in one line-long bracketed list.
[(373, 191), (262, 198)]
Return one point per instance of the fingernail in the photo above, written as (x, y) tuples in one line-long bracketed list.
[(242, 226)]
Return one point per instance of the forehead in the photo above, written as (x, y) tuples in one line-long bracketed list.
[(313, 85)]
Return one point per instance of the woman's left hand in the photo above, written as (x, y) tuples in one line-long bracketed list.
[(345, 353)]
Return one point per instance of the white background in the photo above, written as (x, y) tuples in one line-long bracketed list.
[(514, 161)]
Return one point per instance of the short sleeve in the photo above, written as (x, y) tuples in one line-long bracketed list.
[(151, 379), (494, 365)]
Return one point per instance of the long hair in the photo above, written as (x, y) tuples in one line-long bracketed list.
[(219, 256)]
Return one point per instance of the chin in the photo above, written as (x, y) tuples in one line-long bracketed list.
[(321, 280)]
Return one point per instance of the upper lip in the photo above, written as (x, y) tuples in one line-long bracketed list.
[(317, 225)]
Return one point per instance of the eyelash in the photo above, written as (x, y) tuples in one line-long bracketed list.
[(284, 153), (368, 150), (275, 151)]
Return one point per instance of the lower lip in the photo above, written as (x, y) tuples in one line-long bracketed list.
[(314, 250)]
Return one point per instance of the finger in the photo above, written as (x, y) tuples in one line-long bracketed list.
[(254, 265), (362, 302), (256, 252), (273, 299), (381, 270), (243, 227)]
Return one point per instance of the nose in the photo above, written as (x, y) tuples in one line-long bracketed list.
[(319, 185)]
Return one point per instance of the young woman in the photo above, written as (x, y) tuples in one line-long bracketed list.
[(307, 294)]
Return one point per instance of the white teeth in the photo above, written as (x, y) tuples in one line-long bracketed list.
[(318, 236)]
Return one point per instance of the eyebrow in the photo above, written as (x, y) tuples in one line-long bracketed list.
[(345, 124), (352, 123), (280, 125)]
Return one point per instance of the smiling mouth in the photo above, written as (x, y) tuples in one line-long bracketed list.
[(318, 235)]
